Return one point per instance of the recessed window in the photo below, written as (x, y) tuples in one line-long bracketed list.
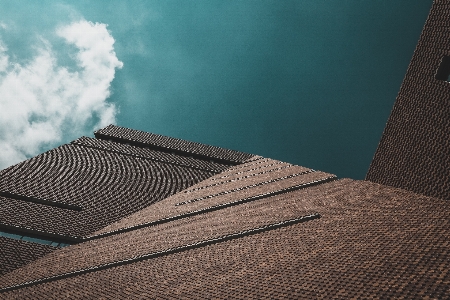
[(33, 239), (40, 201), (443, 72)]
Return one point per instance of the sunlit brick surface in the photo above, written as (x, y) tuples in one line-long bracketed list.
[(372, 241), (240, 182)]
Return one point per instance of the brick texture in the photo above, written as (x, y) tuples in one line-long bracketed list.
[(169, 144), (17, 253), (76, 189), (246, 180), (171, 219), (372, 241), (108, 185), (414, 151)]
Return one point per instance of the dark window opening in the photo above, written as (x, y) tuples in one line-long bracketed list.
[(31, 239), (443, 72), (40, 201)]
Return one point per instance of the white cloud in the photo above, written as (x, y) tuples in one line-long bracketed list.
[(3, 58), (41, 102)]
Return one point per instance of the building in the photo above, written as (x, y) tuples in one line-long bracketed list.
[(137, 215)]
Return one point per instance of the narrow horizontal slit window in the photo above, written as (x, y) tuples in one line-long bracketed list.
[(40, 201), (32, 239)]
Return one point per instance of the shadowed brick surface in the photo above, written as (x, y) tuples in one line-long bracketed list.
[(169, 144), (176, 233), (414, 151), (16, 253), (107, 185), (140, 152)]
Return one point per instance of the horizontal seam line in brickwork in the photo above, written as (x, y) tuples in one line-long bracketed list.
[(104, 136), (8, 194), (213, 208), (169, 251), (245, 187), (238, 178), (149, 158), (252, 159), (245, 170), (172, 143), (40, 234), (35, 240)]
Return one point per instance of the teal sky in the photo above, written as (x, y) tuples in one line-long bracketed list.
[(310, 82)]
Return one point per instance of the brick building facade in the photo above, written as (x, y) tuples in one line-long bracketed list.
[(131, 214)]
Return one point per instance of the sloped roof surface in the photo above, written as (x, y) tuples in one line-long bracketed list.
[(258, 229), (246, 213), (165, 143), (370, 240), (72, 191), (93, 179), (259, 178), (16, 253)]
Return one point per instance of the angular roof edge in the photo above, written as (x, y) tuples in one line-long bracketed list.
[(171, 145)]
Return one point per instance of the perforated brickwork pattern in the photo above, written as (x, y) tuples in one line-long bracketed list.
[(108, 185), (171, 144), (414, 151), (140, 152), (235, 184), (16, 253), (372, 241)]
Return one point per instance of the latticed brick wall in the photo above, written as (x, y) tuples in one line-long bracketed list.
[(414, 151), (16, 253), (371, 242), (76, 189)]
